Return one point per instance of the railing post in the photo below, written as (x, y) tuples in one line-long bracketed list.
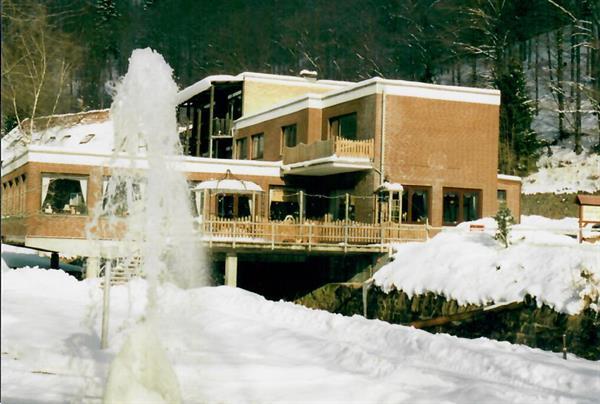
[(345, 237), (301, 206), (347, 206), (106, 304), (210, 233), (233, 232), (310, 237), (381, 236), (272, 235)]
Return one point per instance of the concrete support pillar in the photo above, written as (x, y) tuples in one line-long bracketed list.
[(92, 267), (231, 261)]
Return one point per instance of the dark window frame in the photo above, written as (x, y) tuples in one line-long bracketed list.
[(255, 155), (407, 203), (503, 198), (340, 127), (285, 134), (461, 192), (243, 141)]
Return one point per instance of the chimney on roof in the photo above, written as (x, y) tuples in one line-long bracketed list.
[(309, 74)]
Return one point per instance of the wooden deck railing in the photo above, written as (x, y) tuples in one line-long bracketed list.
[(339, 146), (353, 148), (309, 233)]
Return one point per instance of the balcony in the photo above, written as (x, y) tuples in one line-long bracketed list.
[(309, 235), (326, 157)]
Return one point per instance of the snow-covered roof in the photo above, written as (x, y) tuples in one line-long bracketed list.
[(230, 186), (90, 131), (507, 177), (205, 84), (391, 186)]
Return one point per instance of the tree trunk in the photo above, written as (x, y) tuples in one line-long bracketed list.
[(537, 71), (560, 93), (578, 148)]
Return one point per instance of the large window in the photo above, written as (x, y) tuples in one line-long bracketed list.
[(234, 206), (415, 204), (343, 126), (461, 205), (288, 136), (241, 149), (258, 146), (64, 194), (122, 196), (283, 202)]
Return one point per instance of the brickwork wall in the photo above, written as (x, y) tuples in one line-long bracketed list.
[(307, 121), (440, 144), (366, 114), (513, 196), (32, 222)]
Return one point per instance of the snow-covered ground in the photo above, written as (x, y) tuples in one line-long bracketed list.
[(565, 172), (472, 267), (231, 346)]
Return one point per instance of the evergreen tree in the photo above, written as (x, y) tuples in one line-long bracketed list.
[(519, 146), (505, 220)]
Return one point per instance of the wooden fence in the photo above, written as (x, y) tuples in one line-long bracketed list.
[(354, 148), (324, 148), (309, 233)]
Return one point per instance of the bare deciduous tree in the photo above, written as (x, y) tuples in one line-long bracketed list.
[(37, 62)]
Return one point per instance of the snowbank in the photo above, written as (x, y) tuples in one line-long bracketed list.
[(473, 268), (230, 346), (565, 172)]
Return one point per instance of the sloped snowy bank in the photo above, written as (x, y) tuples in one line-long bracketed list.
[(473, 268), (565, 172), (231, 346)]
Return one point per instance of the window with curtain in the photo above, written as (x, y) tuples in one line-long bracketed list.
[(288, 136), (461, 205), (121, 196), (64, 194), (415, 204), (241, 149), (258, 146)]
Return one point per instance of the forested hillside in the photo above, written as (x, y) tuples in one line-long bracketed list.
[(544, 55)]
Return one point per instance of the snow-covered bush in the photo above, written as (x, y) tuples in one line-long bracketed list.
[(505, 220), (590, 289)]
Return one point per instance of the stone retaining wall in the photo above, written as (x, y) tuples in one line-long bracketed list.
[(525, 323)]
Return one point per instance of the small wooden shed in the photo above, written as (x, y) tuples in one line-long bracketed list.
[(589, 213)]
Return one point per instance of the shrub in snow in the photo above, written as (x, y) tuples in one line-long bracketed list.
[(505, 220), (590, 289)]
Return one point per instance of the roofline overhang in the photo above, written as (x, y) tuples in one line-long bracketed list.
[(375, 85)]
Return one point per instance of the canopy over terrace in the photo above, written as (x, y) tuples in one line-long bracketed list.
[(228, 198)]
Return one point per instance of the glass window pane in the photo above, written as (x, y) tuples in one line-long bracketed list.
[(419, 206), (344, 126), (243, 206), (348, 126), (258, 142), (470, 206), (241, 149), (225, 206), (501, 195), (405, 205), (64, 196), (451, 207)]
